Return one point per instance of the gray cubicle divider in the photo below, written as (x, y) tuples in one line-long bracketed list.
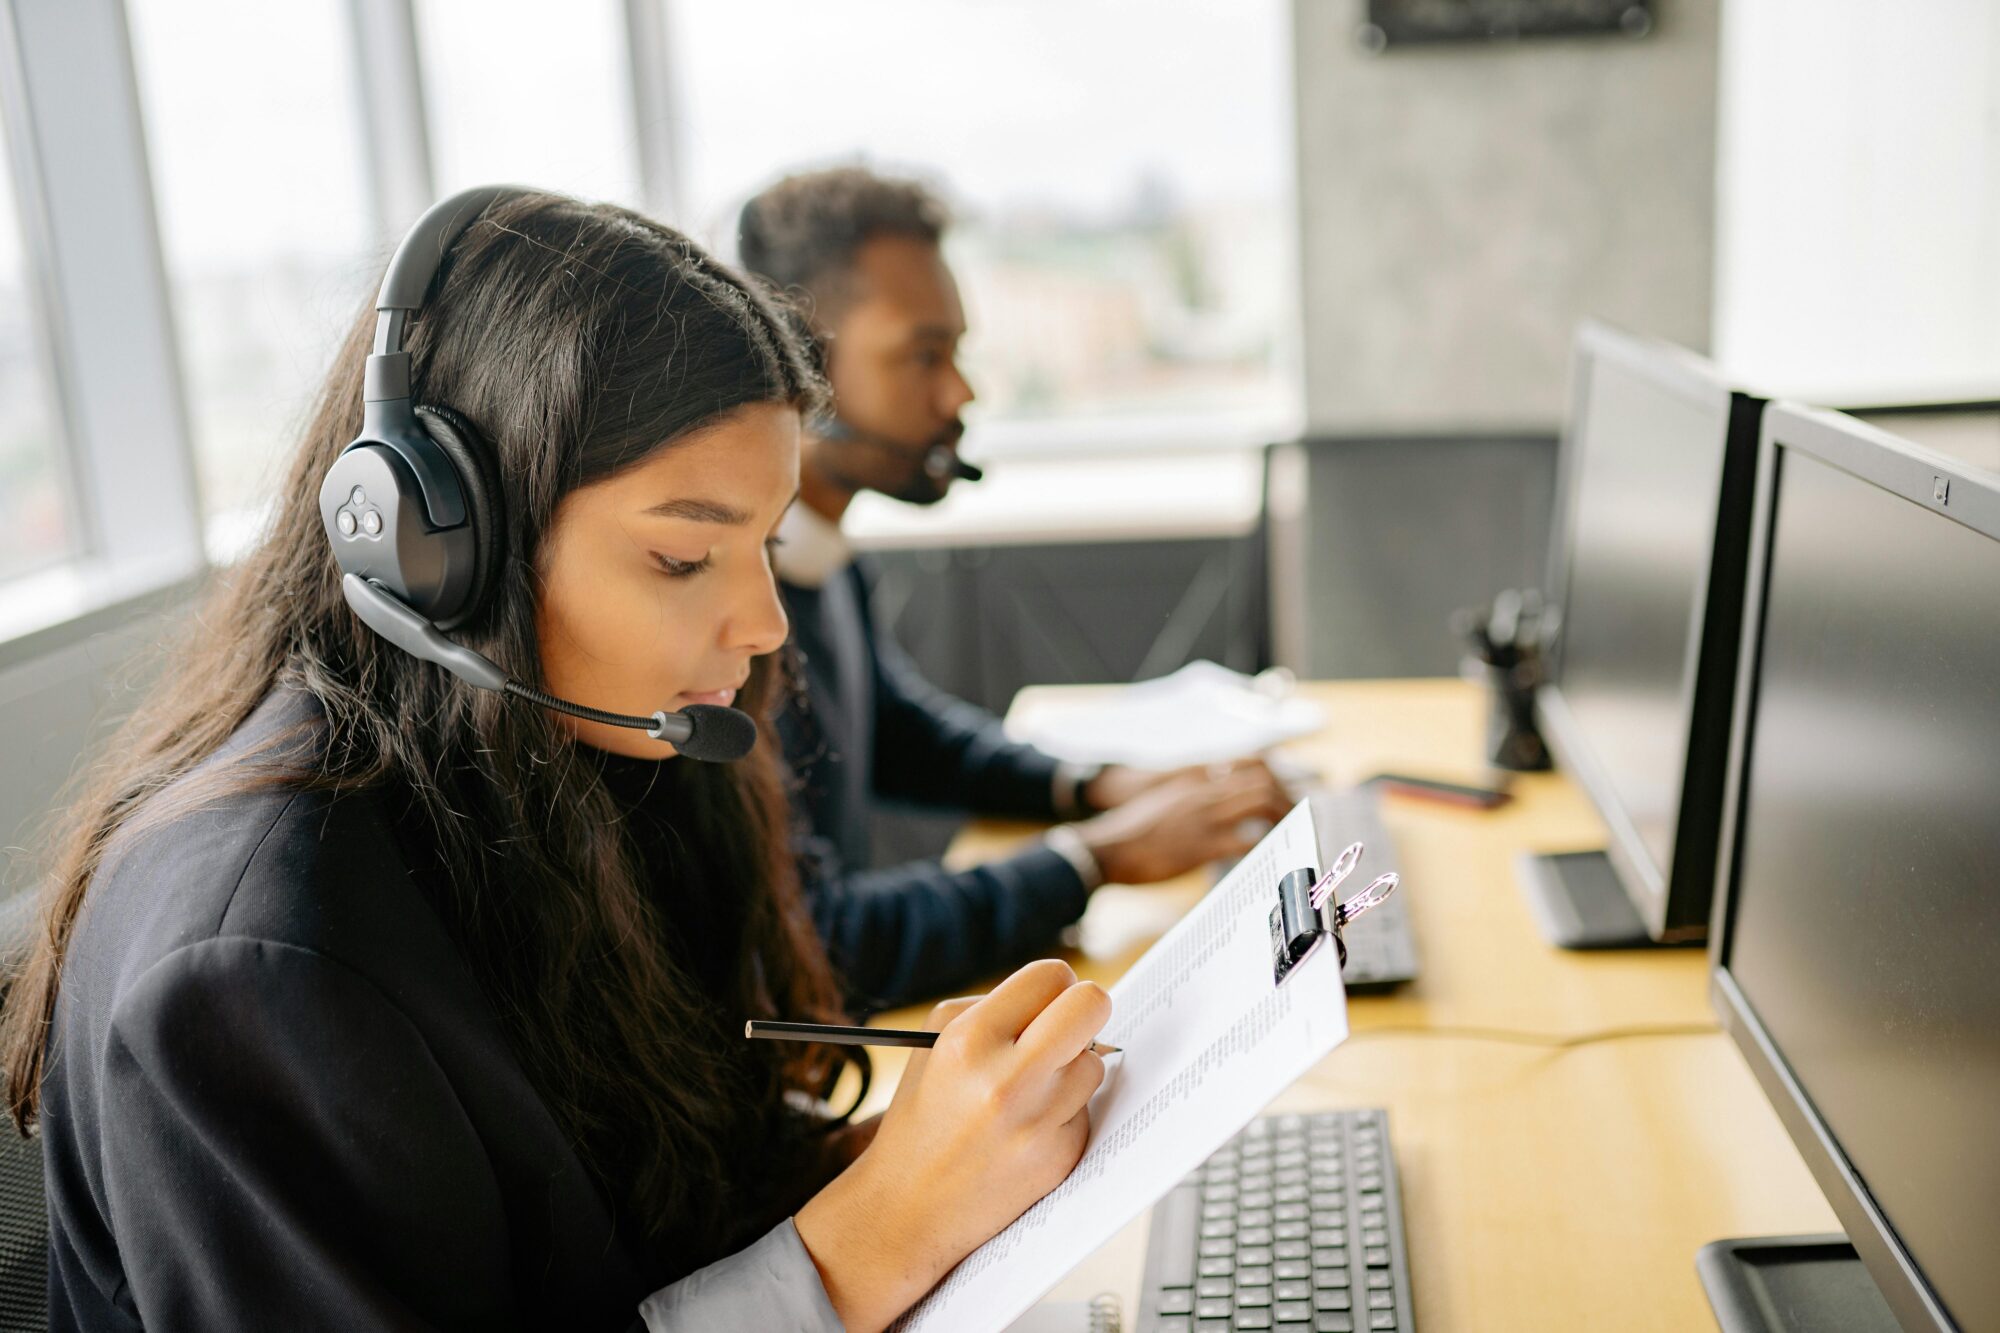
[(1375, 540)]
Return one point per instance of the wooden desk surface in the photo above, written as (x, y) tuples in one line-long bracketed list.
[(1542, 1189)]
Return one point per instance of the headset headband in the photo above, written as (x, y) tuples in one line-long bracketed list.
[(411, 270), (387, 416)]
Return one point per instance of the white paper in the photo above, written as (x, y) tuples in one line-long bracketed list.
[(1201, 714), (1209, 1039)]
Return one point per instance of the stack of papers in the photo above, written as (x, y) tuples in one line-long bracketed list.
[(1201, 714)]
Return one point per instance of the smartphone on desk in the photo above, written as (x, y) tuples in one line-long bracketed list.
[(1433, 789)]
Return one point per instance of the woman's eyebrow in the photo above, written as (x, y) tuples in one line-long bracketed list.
[(700, 511)]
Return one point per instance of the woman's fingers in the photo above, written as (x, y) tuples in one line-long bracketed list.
[(1076, 1084), (946, 1010), (1067, 1025), (1005, 1014)]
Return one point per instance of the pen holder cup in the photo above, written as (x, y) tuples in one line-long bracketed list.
[(1512, 739)]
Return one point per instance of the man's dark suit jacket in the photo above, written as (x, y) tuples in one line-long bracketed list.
[(870, 727)]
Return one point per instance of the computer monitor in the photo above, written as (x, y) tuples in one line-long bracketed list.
[(1856, 950), (1652, 529)]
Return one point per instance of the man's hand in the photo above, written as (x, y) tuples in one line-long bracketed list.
[(1184, 820), (1119, 783)]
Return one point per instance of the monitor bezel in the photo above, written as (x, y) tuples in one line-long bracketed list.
[(1647, 884), (1911, 472)]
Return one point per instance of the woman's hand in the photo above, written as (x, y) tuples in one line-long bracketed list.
[(982, 1125)]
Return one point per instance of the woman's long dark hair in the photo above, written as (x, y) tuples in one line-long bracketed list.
[(577, 339)]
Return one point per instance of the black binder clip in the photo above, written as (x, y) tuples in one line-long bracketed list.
[(1307, 914)]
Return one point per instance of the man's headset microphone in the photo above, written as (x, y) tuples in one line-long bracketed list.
[(413, 509), (938, 460)]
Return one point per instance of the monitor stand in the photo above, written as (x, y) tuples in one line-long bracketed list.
[(1777, 1284), (1578, 901)]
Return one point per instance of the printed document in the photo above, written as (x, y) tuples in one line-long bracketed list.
[(1208, 1040), (1201, 714)]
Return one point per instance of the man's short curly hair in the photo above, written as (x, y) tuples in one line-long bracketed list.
[(802, 234)]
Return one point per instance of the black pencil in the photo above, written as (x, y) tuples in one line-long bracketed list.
[(772, 1030)]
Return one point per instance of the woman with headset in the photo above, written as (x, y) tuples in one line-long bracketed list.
[(371, 997)]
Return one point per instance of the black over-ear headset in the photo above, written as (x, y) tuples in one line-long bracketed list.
[(414, 510)]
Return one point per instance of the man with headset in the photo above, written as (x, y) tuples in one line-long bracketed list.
[(860, 255)]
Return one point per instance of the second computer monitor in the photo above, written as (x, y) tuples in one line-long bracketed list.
[(1858, 921), (1653, 526)]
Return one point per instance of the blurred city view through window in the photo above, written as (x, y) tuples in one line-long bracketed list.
[(254, 129), (35, 526), (1123, 227)]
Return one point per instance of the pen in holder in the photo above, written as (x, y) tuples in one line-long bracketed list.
[(1307, 913), (1508, 643)]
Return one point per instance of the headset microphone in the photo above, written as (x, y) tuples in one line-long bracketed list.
[(940, 460), (700, 731), (413, 509)]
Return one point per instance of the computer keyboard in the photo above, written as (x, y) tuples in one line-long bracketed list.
[(1295, 1224)]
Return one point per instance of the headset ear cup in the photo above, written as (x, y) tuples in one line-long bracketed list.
[(486, 513)]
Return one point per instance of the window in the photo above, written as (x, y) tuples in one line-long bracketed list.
[(1122, 176), (254, 132), (36, 526), (525, 92)]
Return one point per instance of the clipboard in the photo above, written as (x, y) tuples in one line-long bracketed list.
[(1213, 1029)]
